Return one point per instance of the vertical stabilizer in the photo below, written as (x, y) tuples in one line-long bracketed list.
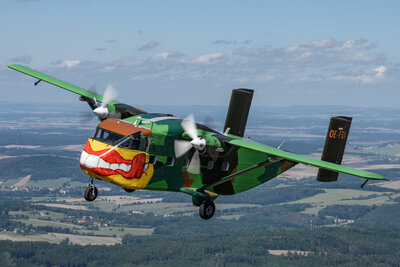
[(335, 144), (238, 111)]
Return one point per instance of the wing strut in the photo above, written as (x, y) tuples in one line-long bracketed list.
[(366, 181)]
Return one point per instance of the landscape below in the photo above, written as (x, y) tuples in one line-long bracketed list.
[(290, 220)]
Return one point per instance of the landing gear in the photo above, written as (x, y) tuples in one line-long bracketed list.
[(129, 190), (207, 209), (91, 191)]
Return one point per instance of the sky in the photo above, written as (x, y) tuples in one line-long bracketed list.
[(196, 52)]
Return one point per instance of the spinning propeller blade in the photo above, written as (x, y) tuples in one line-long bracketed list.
[(189, 126), (194, 166), (102, 112), (109, 94), (183, 146)]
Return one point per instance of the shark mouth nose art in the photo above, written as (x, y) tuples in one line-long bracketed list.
[(109, 162)]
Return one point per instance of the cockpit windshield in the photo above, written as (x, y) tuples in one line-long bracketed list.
[(115, 139)]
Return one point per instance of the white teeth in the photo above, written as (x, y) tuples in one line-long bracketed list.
[(84, 156), (103, 164), (92, 161), (123, 167)]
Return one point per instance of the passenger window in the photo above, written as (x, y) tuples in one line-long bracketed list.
[(170, 161), (135, 144), (225, 166), (210, 165)]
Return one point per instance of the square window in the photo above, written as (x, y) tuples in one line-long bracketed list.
[(225, 166), (170, 161)]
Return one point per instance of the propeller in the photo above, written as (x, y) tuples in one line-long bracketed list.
[(197, 142), (102, 112)]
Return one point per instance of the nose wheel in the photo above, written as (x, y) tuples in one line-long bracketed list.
[(90, 192), (129, 190), (207, 209)]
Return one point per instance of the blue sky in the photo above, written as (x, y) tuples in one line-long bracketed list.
[(195, 52)]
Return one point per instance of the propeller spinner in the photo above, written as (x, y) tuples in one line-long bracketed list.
[(197, 142), (102, 112)]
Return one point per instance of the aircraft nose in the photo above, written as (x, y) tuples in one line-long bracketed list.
[(88, 160), (84, 156)]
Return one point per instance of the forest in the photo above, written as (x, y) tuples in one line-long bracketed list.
[(345, 246)]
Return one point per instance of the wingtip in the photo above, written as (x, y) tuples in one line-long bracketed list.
[(14, 66)]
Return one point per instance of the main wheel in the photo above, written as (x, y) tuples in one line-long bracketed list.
[(90, 193), (129, 190), (207, 209)]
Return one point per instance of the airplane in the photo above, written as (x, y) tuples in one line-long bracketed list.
[(135, 149)]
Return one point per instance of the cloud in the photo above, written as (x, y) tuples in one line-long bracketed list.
[(314, 61), (331, 45), (229, 42), (66, 63), (149, 46), (366, 77), (25, 59), (111, 41), (209, 58), (225, 42)]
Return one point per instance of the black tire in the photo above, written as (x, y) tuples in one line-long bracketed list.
[(207, 209), (129, 190), (90, 193)]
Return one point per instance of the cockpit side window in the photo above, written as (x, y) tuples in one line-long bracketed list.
[(115, 139)]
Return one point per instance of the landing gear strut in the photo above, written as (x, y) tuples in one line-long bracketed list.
[(91, 191), (207, 209)]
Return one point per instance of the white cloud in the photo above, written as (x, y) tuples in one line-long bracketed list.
[(369, 76), (68, 63), (331, 45), (208, 58)]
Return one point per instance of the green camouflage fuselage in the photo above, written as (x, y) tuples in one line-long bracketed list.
[(172, 178)]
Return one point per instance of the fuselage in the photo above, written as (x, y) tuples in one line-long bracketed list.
[(138, 153)]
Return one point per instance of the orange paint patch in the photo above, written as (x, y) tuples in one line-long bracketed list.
[(188, 181), (284, 166)]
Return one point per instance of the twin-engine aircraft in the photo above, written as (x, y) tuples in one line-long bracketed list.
[(135, 149)]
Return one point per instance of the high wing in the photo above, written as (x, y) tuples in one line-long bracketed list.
[(278, 153), (54, 81)]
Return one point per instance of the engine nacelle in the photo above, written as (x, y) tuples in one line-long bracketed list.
[(335, 144)]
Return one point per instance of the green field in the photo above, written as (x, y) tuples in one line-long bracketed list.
[(345, 197)]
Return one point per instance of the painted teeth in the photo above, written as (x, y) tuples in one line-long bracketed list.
[(92, 161), (123, 167), (103, 164), (145, 167), (84, 156), (114, 166)]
